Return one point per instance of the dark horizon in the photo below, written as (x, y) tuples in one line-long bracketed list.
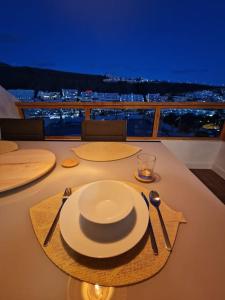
[(106, 75), (53, 80)]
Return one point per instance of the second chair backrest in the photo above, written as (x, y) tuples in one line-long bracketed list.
[(104, 130), (22, 129)]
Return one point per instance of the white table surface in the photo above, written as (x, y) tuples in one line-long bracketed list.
[(195, 269)]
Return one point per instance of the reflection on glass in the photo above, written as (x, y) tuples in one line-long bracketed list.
[(139, 121), (78, 290), (191, 122), (96, 292), (58, 122)]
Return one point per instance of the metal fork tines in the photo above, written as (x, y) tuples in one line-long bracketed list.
[(66, 194)]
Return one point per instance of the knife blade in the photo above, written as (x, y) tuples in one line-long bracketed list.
[(150, 228)]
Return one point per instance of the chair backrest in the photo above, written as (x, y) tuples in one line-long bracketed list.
[(104, 130), (22, 129)]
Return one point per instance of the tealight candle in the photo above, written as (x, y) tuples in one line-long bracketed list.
[(146, 164)]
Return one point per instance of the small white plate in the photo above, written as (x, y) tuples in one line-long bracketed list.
[(98, 240), (105, 201)]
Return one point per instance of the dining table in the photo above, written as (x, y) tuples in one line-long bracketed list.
[(195, 269)]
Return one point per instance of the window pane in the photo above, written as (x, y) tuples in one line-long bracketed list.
[(58, 122), (139, 121), (191, 122)]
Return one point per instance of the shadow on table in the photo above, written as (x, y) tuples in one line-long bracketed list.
[(107, 263)]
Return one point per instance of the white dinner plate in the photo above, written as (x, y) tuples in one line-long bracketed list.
[(102, 240)]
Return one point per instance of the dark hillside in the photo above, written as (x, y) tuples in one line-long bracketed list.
[(51, 80)]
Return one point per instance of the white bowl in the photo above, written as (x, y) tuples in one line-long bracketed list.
[(105, 201)]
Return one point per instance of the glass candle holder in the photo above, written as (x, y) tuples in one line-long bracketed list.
[(146, 165)]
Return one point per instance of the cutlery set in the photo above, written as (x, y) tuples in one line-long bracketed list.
[(154, 199)]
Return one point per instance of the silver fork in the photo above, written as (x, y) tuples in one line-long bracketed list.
[(66, 195)]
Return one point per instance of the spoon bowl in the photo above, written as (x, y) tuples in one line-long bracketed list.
[(154, 198)]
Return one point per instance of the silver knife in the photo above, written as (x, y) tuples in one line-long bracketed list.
[(150, 228)]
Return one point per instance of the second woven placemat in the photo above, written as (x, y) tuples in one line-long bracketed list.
[(136, 265), (105, 151)]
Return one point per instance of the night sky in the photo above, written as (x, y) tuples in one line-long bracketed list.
[(176, 40)]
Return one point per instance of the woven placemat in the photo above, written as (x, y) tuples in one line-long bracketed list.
[(22, 166), (134, 266), (7, 146), (105, 151)]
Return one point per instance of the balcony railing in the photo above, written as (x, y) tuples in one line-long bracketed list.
[(146, 120)]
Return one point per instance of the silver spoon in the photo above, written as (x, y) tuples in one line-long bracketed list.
[(155, 201)]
